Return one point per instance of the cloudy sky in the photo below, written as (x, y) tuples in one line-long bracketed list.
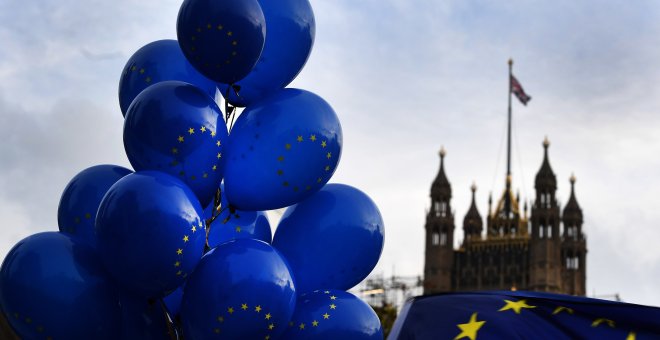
[(405, 77)]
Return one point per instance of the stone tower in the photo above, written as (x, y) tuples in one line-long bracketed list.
[(545, 245), (439, 252), (573, 248)]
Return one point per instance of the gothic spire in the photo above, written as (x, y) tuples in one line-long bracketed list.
[(441, 187), (572, 211), (472, 223), (546, 181)]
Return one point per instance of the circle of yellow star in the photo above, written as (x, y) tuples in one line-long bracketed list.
[(469, 330)]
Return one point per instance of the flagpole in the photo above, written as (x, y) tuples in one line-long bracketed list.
[(507, 200), (508, 155)]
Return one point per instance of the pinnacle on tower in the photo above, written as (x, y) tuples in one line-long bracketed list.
[(472, 223)]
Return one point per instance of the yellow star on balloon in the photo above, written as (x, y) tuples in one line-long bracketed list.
[(516, 306), (469, 330)]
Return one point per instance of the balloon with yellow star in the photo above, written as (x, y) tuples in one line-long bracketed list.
[(53, 286), (333, 239), (242, 289), (281, 151), (81, 198), (333, 314), (291, 30), (222, 39), (231, 224), (176, 128), (155, 62), (150, 233)]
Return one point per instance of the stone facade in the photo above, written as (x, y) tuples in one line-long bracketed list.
[(545, 251)]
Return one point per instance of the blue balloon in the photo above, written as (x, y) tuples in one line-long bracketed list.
[(178, 129), (54, 286), (332, 240), (155, 62), (239, 224), (173, 301), (81, 198), (281, 151), (291, 30), (242, 224), (144, 319), (333, 314), (223, 39), (150, 233), (242, 289)]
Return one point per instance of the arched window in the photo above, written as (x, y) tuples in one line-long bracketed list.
[(435, 238), (440, 209), (443, 238), (541, 229), (549, 232)]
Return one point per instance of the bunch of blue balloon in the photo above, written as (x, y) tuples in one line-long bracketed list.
[(138, 256)]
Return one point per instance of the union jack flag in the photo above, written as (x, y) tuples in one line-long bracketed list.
[(517, 89)]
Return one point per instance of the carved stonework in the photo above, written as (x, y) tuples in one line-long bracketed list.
[(515, 252)]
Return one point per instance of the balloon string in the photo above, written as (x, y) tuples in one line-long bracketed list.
[(218, 209), (237, 89), (170, 329), (230, 110)]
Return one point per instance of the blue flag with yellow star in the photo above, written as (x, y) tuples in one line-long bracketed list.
[(523, 315)]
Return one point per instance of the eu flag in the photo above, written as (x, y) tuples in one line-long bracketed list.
[(523, 315)]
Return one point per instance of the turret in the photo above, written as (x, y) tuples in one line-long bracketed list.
[(439, 254), (472, 223)]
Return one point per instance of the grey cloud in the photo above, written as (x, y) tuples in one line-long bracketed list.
[(42, 151)]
